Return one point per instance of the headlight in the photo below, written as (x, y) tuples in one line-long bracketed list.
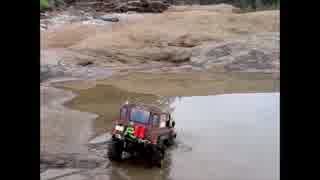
[(119, 128)]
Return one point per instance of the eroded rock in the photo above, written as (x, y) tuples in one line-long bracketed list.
[(109, 18), (257, 53)]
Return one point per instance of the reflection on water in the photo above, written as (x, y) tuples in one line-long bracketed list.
[(232, 136)]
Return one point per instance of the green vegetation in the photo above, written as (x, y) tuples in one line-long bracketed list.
[(44, 4)]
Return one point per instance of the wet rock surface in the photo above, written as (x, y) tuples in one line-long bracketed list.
[(92, 50), (254, 53), (48, 71), (55, 20), (109, 18), (76, 161), (154, 6)]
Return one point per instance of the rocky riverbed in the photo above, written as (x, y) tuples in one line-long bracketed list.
[(109, 57), (75, 42)]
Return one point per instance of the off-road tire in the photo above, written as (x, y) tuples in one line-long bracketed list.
[(115, 149), (157, 156), (169, 142)]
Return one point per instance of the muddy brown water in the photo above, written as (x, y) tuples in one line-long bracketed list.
[(229, 136), (232, 136)]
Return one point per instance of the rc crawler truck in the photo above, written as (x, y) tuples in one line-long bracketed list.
[(142, 131)]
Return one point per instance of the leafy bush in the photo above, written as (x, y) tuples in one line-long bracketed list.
[(44, 4)]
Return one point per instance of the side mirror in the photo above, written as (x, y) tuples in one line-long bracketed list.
[(173, 123)]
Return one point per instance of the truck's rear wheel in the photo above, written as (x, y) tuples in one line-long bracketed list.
[(115, 150)]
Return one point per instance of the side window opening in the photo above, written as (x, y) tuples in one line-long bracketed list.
[(163, 120), (155, 120), (168, 121)]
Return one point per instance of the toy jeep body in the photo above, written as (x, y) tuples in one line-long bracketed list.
[(142, 130)]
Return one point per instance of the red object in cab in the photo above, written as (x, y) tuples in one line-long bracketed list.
[(139, 131)]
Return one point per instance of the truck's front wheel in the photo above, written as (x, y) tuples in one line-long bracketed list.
[(157, 156), (115, 150)]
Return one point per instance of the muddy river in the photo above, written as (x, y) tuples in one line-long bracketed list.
[(229, 136), (232, 137)]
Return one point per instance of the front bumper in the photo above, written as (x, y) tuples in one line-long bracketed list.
[(133, 145)]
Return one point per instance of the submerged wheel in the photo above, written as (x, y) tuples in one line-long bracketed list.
[(115, 150), (169, 142), (157, 156)]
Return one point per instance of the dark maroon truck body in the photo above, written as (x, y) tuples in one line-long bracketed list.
[(158, 126)]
